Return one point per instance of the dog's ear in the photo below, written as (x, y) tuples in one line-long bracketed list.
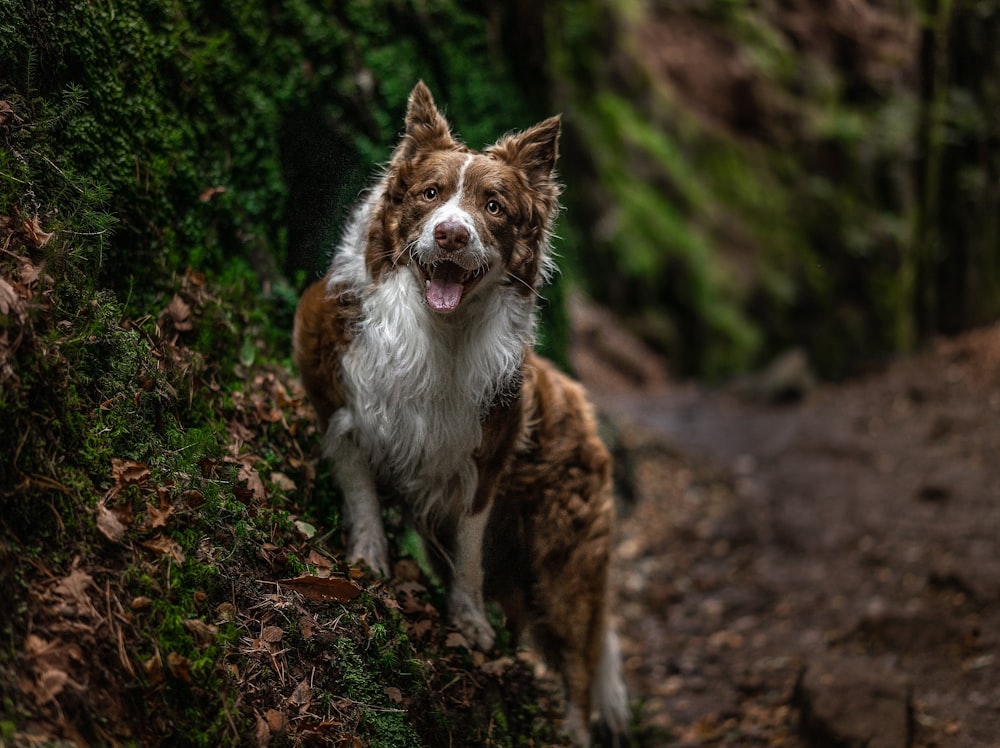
[(534, 151), (426, 127)]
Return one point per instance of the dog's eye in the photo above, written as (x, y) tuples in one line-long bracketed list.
[(493, 208), (430, 193)]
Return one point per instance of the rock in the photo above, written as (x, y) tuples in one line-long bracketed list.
[(854, 702)]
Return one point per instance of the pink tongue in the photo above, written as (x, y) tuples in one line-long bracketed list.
[(444, 293)]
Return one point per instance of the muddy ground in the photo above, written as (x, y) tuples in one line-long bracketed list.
[(809, 565)]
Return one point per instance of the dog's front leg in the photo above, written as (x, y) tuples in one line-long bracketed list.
[(466, 608), (366, 541)]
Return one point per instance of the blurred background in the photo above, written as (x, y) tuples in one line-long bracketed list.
[(741, 178)]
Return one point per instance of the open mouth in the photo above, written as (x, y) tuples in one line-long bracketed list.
[(446, 284)]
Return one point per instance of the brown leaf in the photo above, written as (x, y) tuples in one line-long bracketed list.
[(157, 517), (128, 472), (32, 231), (49, 684), (282, 481), (203, 633), (113, 522), (180, 314), (164, 546), (272, 634), (209, 192), (318, 560), (71, 595), (498, 666), (307, 627), (180, 666), (154, 669), (248, 472), (262, 732), (276, 720), (29, 272), (301, 695), (408, 597), (323, 589), (456, 640), (394, 694), (7, 115), (9, 300)]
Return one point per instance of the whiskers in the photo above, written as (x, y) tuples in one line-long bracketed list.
[(527, 285), (393, 257)]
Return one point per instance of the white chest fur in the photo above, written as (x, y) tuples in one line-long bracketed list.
[(418, 385)]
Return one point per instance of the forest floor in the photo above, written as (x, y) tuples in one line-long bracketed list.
[(807, 564)]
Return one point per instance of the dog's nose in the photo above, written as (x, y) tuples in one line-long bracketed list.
[(451, 235)]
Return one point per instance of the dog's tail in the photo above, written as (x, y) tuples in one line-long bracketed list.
[(608, 694)]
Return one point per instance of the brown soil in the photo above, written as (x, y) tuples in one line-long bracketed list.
[(825, 572)]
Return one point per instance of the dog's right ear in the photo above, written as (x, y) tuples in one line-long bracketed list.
[(426, 127)]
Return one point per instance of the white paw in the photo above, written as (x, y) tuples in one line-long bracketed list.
[(466, 612), (575, 726), (369, 548)]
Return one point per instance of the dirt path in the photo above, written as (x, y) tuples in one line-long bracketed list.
[(819, 573)]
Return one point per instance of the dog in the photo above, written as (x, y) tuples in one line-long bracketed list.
[(416, 352)]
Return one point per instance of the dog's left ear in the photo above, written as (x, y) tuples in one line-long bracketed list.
[(426, 127), (534, 151)]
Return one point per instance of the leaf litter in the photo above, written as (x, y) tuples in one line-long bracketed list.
[(83, 652)]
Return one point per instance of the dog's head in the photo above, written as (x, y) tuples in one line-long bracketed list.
[(460, 221)]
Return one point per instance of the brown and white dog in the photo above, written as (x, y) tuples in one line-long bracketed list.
[(416, 351)]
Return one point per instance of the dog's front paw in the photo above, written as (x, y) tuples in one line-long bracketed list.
[(371, 549), (468, 615)]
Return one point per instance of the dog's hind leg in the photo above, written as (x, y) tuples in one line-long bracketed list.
[(574, 627), (607, 692), (465, 598)]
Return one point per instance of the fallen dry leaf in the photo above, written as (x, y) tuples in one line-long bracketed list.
[(318, 560), (408, 597), (209, 192), (282, 481), (323, 589), (49, 684), (301, 695), (157, 517), (276, 720), (9, 300), (307, 627), (498, 666), (29, 272), (262, 732), (203, 633), (70, 595), (126, 473), (154, 669), (33, 232), (180, 666), (180, 314), (164, 546), (272, 634), (113, 522)]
